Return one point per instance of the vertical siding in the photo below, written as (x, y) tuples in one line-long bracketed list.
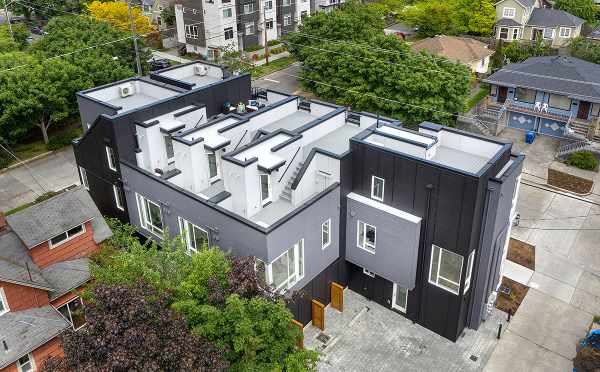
[(21, 297)]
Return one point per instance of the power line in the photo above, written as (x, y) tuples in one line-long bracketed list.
[(19, 161)]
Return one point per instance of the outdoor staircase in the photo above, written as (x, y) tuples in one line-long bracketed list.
[(487, 117), (579, 127), (287, 190), (572, 147)]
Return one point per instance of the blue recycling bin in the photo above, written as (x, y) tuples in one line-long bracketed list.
[(529, 136)]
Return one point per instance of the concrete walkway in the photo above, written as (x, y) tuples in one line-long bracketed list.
[(170, 55), (25, 183)]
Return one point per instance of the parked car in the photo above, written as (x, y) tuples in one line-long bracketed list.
[(38, 31), (159, 64)]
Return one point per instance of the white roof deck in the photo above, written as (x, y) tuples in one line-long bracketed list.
[(144, 93), (272, 212), (262, 150), (291, 122), (338, 141)]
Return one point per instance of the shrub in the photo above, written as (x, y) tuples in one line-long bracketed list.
[(583, 160), (273, 42), (253, 48), (63, 140), (4, 161), (587, 359)]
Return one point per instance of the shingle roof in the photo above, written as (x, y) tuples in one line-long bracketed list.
[(460, 49), (26, 330), (15, 264), (56, 215), (547, 17), (66, 275), (508, 22), (563, 75)]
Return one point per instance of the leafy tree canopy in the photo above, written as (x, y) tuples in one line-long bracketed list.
[(585, 9), (20, 33), (130, 328), (516, 52), (117, 14), (44, 9), (585, 49)]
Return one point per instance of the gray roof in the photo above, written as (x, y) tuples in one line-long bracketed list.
[(66, 275), (509, 22), (26, 330), (557, 74), (56, 215), (525, 3), (547, 17), (15, 264)]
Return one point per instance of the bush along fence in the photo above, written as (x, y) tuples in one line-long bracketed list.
[(257, 56)]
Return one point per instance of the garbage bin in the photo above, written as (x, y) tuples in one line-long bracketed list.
[(529, 136)]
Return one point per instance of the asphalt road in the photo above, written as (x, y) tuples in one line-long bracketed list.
[(282, 80)]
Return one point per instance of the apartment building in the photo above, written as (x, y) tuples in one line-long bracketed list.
[(417, 220), (43, 266), (216, 26)]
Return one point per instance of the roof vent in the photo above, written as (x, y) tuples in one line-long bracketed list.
[(5, 346)]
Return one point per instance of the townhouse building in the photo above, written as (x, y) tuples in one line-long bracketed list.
[(44, 253), (216, 26), (416, 220)]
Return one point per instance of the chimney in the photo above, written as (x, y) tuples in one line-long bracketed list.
[(3, 224)]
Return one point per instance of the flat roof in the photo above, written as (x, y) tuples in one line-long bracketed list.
[(272, 212), (338, 141), (262, 149), (459, 159), (291, 122), (144, 92)]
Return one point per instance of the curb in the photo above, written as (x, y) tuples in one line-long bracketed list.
[(26, 161)]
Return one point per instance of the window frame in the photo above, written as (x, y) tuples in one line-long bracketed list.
[(185, 227), (30, 360), (366, 246), (145, 222), (287, 19), (110, 158), (217, 176), (500, 33), (265, 201), (299, 266), (325, 244), (226, 33), (551, 36), (119, 197), (229, 10), (248, 8), (373, 179), (518, 96), (515, 33), (250, 25), (84, 180), (269, 23), (559, 108), (4, 301), (514, 12), (438, 276), (169, 149), (394, 294), (52, 245), (70, 319), (565, 35), (270, 2), (468, 274)]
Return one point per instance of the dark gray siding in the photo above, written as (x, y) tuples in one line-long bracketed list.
[(243, 18), (191, 18), (89, 110)]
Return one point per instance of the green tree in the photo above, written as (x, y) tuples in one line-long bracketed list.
[(474, 16), (587, 50), (432, 17), (44, 8), (20, 33), (585, 9), (40, 95), (516, 52)]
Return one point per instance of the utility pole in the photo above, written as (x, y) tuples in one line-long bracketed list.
[(265, 31), (12, 36), (135, 38)]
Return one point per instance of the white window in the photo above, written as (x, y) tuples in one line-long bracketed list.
[(565, 32), (26, 363), (287, 269), (287, 19), (67, 235), (119, 200), (227, 13), (445, 269), (84, 179), (191, 31), (377, 186), (269, 24), (249, 28), (399, 298), (249, 8), (503, 33), (110, 157), (326, 234), (469, 271), (228, 33), (287, 2), (195, 237), (508, 12), (265, 189), (548, 33), (150, 215), (3, 302), (214, 173), (366, 236), (515, 34), (73, 312), (268, 5)]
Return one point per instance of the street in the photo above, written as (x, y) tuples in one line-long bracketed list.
[(282, 80)]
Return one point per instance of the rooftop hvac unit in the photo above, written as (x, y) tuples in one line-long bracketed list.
[(200, 70), (126, 90)]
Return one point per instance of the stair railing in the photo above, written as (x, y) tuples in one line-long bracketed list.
[(289, 164)]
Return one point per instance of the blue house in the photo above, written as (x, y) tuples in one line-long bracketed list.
[(556, 96)]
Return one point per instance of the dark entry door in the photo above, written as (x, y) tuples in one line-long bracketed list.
[(537, 35), (584, 110), (502, 93)]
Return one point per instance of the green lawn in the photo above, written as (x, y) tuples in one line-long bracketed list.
[(272, 67), (474, 99)]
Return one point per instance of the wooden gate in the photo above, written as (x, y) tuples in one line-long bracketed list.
[(337, 296), (300, 343), (318, 315)]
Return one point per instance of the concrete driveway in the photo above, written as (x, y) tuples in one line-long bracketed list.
[(25, 183), (564, 290)]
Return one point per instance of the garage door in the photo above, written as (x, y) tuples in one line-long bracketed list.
[(521, 121), (552, 127)]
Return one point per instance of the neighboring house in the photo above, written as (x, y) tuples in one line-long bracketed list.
[(417, 221), (527, 20), (470, 52), (213, 27), (401, 30), (43, 266), (555, 95), (595, 34)]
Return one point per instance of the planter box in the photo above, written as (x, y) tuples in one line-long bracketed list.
[(570, 178)]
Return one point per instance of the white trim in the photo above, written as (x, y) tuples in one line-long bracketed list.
[(4, 301), (269, 197), (31, 361), (145, 221), (385, 208), (507, 33), (184, 225), (567, 35), (217, 166), (328, 223), (371, 248), (368, 272), (110, 159), (70, 320), (438, 276), (69, 237), (394, 294), (118, 203), (84, 179), (298, 270), (469, 272), (514, 12), (373, 178)]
